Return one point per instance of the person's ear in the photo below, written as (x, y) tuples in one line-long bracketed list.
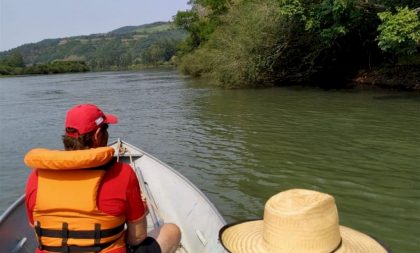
[(96, 136)]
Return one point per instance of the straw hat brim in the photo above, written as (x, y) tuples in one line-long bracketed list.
[(246, 237)]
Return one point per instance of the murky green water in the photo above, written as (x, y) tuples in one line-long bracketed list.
[(241, 146)]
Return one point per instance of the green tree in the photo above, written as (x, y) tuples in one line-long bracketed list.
[(159, 52), (16, 59), (201, 21), (274, 42), (399, 33)]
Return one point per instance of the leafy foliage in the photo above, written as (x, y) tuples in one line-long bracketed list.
[(332, 19), (160, 52), (246, 50), (201, 21), (255, 43), (400, 32)]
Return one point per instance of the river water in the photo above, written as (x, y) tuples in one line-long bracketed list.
[(240, 146)]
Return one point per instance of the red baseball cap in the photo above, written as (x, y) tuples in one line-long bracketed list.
[(86, 118)]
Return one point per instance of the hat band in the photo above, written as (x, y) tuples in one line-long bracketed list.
[(225, 227), (338, 246)]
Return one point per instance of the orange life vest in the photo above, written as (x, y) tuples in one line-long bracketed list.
[(66, 215)]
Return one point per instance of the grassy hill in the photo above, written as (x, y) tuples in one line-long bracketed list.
[(125, 47)]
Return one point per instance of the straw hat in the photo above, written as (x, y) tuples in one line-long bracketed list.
[(297, 221)]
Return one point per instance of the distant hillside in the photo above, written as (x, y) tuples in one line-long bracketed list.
[(118, 49), (147, 28)]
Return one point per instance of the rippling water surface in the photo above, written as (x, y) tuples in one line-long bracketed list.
[(240, 146)]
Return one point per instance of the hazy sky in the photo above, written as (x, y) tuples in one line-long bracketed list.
[(27, 21)]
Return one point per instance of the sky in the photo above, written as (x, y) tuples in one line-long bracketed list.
[(29, 21)]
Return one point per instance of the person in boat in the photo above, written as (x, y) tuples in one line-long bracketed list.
[(298, 221), (83, 200)]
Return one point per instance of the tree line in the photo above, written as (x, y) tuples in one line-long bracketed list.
[(122, 49), (14, 65), (258, 43)]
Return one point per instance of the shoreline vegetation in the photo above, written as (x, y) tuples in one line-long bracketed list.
[(404, 77), (55, 67), (264, 43), (252, 44)]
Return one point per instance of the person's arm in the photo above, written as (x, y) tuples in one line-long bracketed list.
[(136, 231), (30, 196), (135, 212)]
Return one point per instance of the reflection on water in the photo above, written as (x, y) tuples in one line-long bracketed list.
[(241, 146)]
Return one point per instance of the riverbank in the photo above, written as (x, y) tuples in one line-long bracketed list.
[(54, 67), (131, 68), (404, 77)]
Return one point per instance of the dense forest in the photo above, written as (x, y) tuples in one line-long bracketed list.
[(125, 48), (330, 43)]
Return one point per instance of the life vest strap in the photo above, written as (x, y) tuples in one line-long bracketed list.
[(38, 232), (64, 233), (97, 233), (73, 248), (80, 234)]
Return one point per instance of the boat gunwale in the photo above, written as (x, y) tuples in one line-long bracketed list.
[(186, 180), (11, 209)]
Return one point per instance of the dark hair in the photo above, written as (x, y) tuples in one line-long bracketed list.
[(84, 141)]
